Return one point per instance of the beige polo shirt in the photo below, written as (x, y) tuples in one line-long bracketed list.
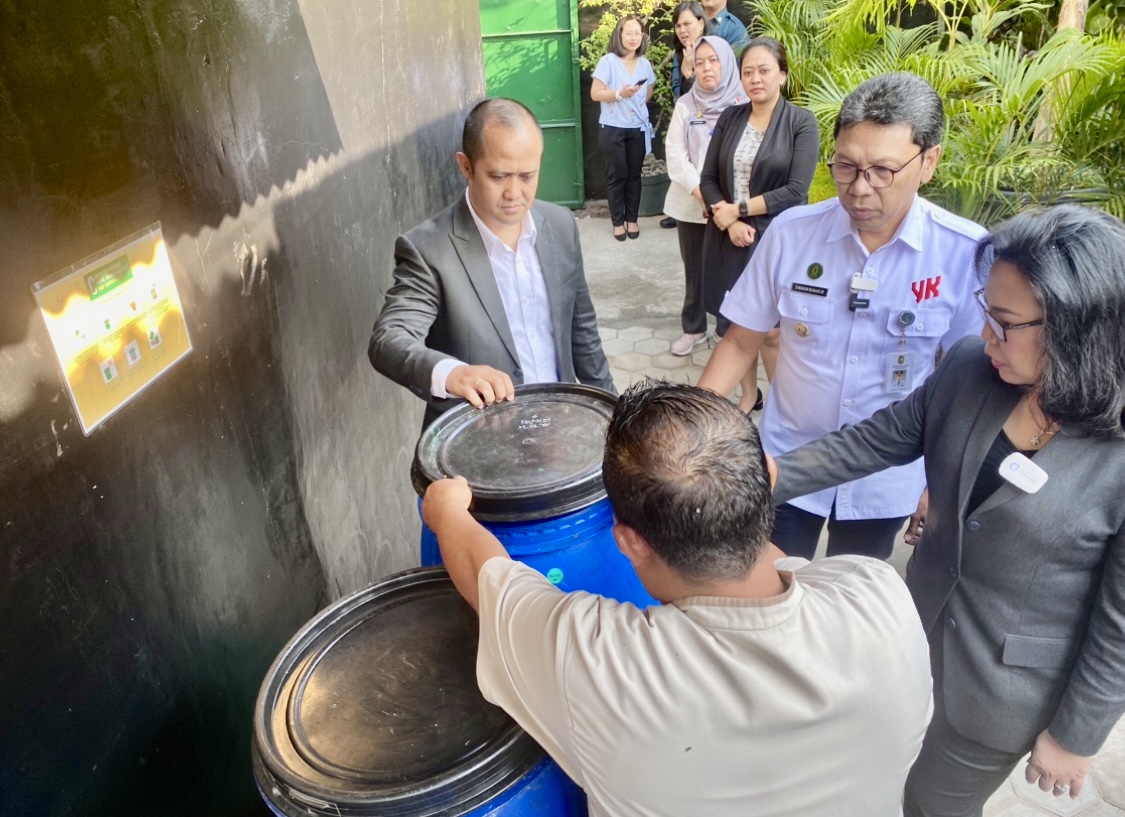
[(810, 703)]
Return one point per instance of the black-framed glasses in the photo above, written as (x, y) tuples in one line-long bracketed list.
[(998, 327), (877, 176)]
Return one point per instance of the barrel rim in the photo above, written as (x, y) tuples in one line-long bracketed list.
[(488, 772), (520, 504)]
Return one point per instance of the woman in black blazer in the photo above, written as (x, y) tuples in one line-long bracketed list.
[(761, 161), (1019, 574)]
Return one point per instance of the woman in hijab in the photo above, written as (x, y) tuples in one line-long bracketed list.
[(715, 88), (760, 162)]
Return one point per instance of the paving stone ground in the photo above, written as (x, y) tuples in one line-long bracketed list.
[(637, 289)]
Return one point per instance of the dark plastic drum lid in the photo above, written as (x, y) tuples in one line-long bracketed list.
[(534, 457), (373, 709)]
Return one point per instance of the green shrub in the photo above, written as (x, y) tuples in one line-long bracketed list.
[(1024, 126)]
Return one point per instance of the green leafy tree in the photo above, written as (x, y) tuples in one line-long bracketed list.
[(1025, 125)]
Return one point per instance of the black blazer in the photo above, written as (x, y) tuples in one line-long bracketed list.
[(444, 302), (783, 171), (1027, 591)]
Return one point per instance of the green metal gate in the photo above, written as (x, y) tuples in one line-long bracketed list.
[(531, 54)]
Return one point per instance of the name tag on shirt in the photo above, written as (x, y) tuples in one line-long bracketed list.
[(1023, 473), (809, 289), (898, 377)]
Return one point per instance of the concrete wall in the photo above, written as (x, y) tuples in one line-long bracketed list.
[(150, 572)]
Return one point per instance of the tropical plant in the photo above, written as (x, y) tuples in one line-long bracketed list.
[(657, 18), (1024, 126)]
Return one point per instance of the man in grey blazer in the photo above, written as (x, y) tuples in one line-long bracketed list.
[(491, 292)]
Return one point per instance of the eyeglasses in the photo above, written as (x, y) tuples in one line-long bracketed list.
[(878, 177), (998, 327)]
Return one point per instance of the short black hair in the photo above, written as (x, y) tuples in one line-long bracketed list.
[(615, 44), (684, 468), (696, 8), (509, 113), (1073, 257), (896, 99), (773, 46)]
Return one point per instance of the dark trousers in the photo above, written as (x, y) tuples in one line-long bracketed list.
[(693, 317), (796, 532), (953, 776), (624, 150)]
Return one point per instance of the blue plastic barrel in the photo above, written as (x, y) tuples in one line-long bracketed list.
[(373, 710), (535, 467)]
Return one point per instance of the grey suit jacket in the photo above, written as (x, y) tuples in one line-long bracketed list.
[(444, 302), (1029, 588)]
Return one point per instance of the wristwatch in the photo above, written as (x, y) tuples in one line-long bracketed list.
[(743, 209)]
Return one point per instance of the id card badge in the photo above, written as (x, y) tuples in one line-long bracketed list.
[(1023, 473), (898, 377)]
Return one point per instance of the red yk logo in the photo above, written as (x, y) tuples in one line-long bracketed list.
[(924, 290)]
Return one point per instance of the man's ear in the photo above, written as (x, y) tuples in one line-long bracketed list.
[(465, 165), (771, 469), (632, 545), (929, 163)]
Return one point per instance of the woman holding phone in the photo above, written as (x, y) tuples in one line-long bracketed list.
[(623, 81)]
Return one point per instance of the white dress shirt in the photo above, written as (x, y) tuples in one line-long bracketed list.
[(519, 277), (832, 370), (683, 169), (809, 704)]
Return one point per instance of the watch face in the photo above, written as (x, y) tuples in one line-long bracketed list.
[(743, 210)]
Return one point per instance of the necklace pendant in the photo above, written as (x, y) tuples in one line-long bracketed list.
[(1035, 439)]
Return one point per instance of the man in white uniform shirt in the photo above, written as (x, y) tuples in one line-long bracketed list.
[(491, 292), (867, 287), (762, 685)]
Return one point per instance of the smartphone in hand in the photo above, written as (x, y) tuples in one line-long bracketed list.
[(641, 81)]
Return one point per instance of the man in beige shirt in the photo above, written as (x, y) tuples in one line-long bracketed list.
[(762, 685)]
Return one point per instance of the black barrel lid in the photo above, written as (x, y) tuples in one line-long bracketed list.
[(373, 708), (533, 457)]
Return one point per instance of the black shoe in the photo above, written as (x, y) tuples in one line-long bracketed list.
[(633, 233), (760, 402), (668, 223), (619, 236)]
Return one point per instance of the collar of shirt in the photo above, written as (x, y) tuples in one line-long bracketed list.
[(910, 231), (528, 230), (728, 613)]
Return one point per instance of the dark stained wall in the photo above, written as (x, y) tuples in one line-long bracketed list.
[(150, 572)]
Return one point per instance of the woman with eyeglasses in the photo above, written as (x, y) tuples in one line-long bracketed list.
[(760, 162), (624, 131), (1019, 572)]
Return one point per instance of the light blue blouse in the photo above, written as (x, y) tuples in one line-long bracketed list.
[(631, 112)]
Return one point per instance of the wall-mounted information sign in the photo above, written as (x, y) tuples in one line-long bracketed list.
[(116, 322)]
